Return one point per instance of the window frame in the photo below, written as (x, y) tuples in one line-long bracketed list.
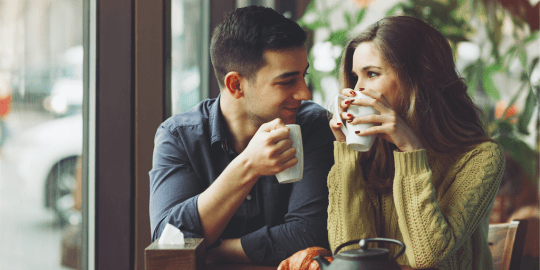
[(127, 90)]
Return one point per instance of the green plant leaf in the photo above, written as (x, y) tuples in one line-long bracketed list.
[(393, 10), (487, 81), (526, 115), (311, 7), (472, 73), (348, 18), (531, 37), (360, 15), (534, 62), (523, 59), (509, 55), (494, 36), (315, 25), (521, 153), (505, 127), (339, 37)]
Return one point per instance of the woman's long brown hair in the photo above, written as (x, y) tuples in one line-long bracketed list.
[(434, 101)]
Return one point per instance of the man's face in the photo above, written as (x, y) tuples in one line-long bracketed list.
[(278, 88)]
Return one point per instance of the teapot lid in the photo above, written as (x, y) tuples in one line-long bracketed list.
[(366, 253), (372, 254)]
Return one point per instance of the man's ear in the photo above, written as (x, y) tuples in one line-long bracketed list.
[(232, 84)]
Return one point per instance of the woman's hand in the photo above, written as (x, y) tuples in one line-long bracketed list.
[(388, 125), (336, 121)]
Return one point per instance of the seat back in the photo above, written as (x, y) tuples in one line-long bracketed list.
[(506, 241)]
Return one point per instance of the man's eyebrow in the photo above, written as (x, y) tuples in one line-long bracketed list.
[(289, 74)]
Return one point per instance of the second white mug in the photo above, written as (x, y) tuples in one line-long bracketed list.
[(296, 172), (354, 141)]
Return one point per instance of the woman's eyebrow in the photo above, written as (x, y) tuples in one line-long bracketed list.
[(369, 67)]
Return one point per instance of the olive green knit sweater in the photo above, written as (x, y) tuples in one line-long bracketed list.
[(439, 206)]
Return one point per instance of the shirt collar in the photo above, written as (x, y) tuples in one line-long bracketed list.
[(217, 123)]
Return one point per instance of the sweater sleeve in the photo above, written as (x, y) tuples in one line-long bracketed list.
[(433, 230), (350, 212)]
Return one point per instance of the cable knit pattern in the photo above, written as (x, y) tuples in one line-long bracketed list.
[(439, 207)]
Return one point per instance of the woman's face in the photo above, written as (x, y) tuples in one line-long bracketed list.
[(372, 72)]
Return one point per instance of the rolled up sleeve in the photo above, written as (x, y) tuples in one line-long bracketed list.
[(174, 187)]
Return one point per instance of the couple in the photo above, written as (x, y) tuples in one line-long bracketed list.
[(429, 179)]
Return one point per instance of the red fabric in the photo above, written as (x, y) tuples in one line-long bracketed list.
[(5, 103)]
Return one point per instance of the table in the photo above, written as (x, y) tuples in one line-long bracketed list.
[(233, 266), (237, 266), (191, 256)]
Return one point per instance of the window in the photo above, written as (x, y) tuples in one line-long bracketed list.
[(41, 133), (189, 52)]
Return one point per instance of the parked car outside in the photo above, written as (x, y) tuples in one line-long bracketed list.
[(45, 158), (32, 84), (66, 94)]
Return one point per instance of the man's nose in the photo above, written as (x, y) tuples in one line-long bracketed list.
[(302, 93)]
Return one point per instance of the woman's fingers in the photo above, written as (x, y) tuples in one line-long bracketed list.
[(370, 118), (375, 130), (348, 92), (377, 96), (335, 126)]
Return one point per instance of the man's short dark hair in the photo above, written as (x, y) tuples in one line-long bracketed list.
[(238, 43)]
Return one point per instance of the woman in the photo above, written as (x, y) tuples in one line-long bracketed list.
[(432, 174)]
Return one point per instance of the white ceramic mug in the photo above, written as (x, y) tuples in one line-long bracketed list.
[(296, 172), (356, 142)]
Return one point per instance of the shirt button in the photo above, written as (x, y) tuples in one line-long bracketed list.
[(248, 197)]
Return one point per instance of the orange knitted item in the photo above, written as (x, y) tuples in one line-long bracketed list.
[(303, 259)]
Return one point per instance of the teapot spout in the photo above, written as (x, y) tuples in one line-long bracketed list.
[(323, 263)]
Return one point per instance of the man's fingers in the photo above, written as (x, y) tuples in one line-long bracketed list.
[(289, 163), (277, 135), (284, 145), (273, 125)]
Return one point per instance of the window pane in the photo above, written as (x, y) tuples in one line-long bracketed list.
[(41, 94), (187, 37)]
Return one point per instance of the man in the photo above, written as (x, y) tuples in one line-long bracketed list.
[(213, 167)]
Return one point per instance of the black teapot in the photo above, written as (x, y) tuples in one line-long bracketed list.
[(363, 258)]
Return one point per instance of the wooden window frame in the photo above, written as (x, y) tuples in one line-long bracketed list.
[(125, 102)]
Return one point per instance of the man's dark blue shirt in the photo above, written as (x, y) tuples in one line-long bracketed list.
[(275, 220)]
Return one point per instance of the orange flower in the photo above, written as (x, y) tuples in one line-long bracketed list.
[(361, 3), (501, 107)]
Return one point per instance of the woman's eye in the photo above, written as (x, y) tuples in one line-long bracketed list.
[(371, 74)]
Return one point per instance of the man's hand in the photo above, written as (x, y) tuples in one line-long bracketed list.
[(270, 150)]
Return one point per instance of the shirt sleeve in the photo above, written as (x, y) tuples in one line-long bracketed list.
[(434, 229), (351, 214), (174, 187), (305, 223)]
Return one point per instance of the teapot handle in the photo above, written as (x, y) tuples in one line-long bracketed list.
[(364, 244)]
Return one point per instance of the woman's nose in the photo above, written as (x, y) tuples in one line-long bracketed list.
[(359, 84)]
